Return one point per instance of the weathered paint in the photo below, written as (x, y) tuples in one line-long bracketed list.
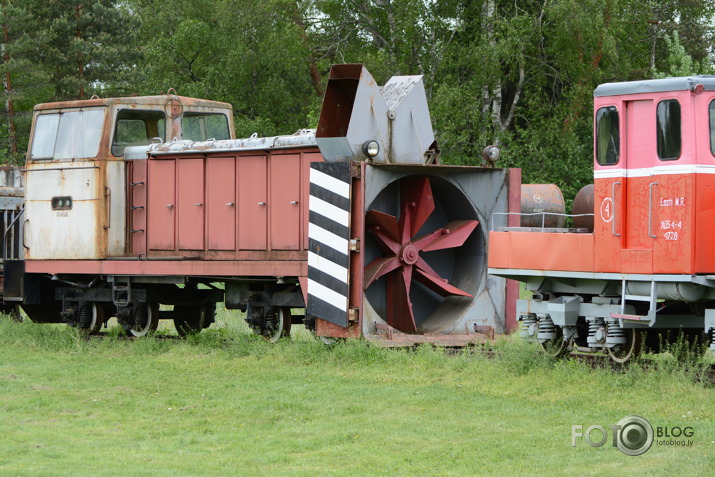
[(285, 266), (225, 202), (108, 215), (76, 233)]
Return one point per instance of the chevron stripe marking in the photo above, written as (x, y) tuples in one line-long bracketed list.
[(327, 295), (329, 182)]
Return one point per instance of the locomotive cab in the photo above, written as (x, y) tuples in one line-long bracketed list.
[(650, 260), (76, 173)]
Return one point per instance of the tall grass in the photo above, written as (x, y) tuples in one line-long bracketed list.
[(226, 402)]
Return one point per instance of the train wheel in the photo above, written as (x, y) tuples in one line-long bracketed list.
[(193, 319), (631, 349), (90, 318), (556, 347), (551, 338), (145, 319), (276, 325), (287, 321)]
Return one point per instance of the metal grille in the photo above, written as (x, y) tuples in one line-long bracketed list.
[(11, 223)]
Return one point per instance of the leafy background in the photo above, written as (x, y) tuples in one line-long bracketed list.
[(520, 74)]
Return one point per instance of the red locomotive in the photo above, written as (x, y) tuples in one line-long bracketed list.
[(648, 262), (139, 202)]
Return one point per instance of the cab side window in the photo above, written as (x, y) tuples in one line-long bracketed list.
[(608, 142), (204, 126), (137, 128), (668, 123)]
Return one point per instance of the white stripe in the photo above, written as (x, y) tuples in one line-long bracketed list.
[(329, 239), (327, 295), (664, 170), (331, 183), (326, 266), (328, 210)]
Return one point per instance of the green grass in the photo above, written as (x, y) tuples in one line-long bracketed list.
[(224, 402)]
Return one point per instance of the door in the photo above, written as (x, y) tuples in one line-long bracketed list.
[(162, 206), (638, 187), (221, 202), (285, 202), (252, 180), (190, 202)]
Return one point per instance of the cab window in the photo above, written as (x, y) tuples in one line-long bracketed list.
[(72, 134), (137, 128), (608, 142), (668, 123), (204, 126)]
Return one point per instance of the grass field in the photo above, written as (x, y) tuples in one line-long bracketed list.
[(226, 403)]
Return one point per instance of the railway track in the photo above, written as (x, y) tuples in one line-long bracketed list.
[(593, 360)]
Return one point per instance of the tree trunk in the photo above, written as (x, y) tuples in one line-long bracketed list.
[(9, 106), (80, 63)]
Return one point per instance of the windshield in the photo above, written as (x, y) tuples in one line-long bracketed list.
[(73, 134)]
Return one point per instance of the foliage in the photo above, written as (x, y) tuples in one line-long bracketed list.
[(518, 74)]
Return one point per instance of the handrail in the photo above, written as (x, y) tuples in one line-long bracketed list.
[(650, 209), (542, 214), (613, 204)]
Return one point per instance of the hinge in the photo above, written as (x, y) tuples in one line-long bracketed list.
[(354, 245), (353, 315), (355, 169)]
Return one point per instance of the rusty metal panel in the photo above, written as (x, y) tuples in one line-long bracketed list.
[(221, 203), (162, 205), (75, 232), (252, 180), (285, 202), (115, 198), (190, 202)]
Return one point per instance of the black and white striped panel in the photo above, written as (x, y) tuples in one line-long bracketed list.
[(328, 236)]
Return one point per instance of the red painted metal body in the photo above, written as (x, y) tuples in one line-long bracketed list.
[(236, 213), (651, 216)]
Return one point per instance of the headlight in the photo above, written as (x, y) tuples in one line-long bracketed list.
[(491, 154), (370, 148)]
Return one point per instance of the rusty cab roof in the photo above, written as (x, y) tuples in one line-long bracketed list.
[(135, 101)]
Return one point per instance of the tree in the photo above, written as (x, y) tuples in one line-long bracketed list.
[(85, 46)]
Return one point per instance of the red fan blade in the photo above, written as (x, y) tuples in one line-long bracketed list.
[(403, 224), (386, 222), (378, 268), (399, 307), (438, 285), (457, 233), (424, 266), (386, 244), (416, 193)]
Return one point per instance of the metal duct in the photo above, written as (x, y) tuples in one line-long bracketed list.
[(356, 110)]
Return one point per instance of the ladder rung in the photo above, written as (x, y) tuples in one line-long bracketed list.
[(630, 317)]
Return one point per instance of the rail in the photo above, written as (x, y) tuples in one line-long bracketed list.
[(542, 214)]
